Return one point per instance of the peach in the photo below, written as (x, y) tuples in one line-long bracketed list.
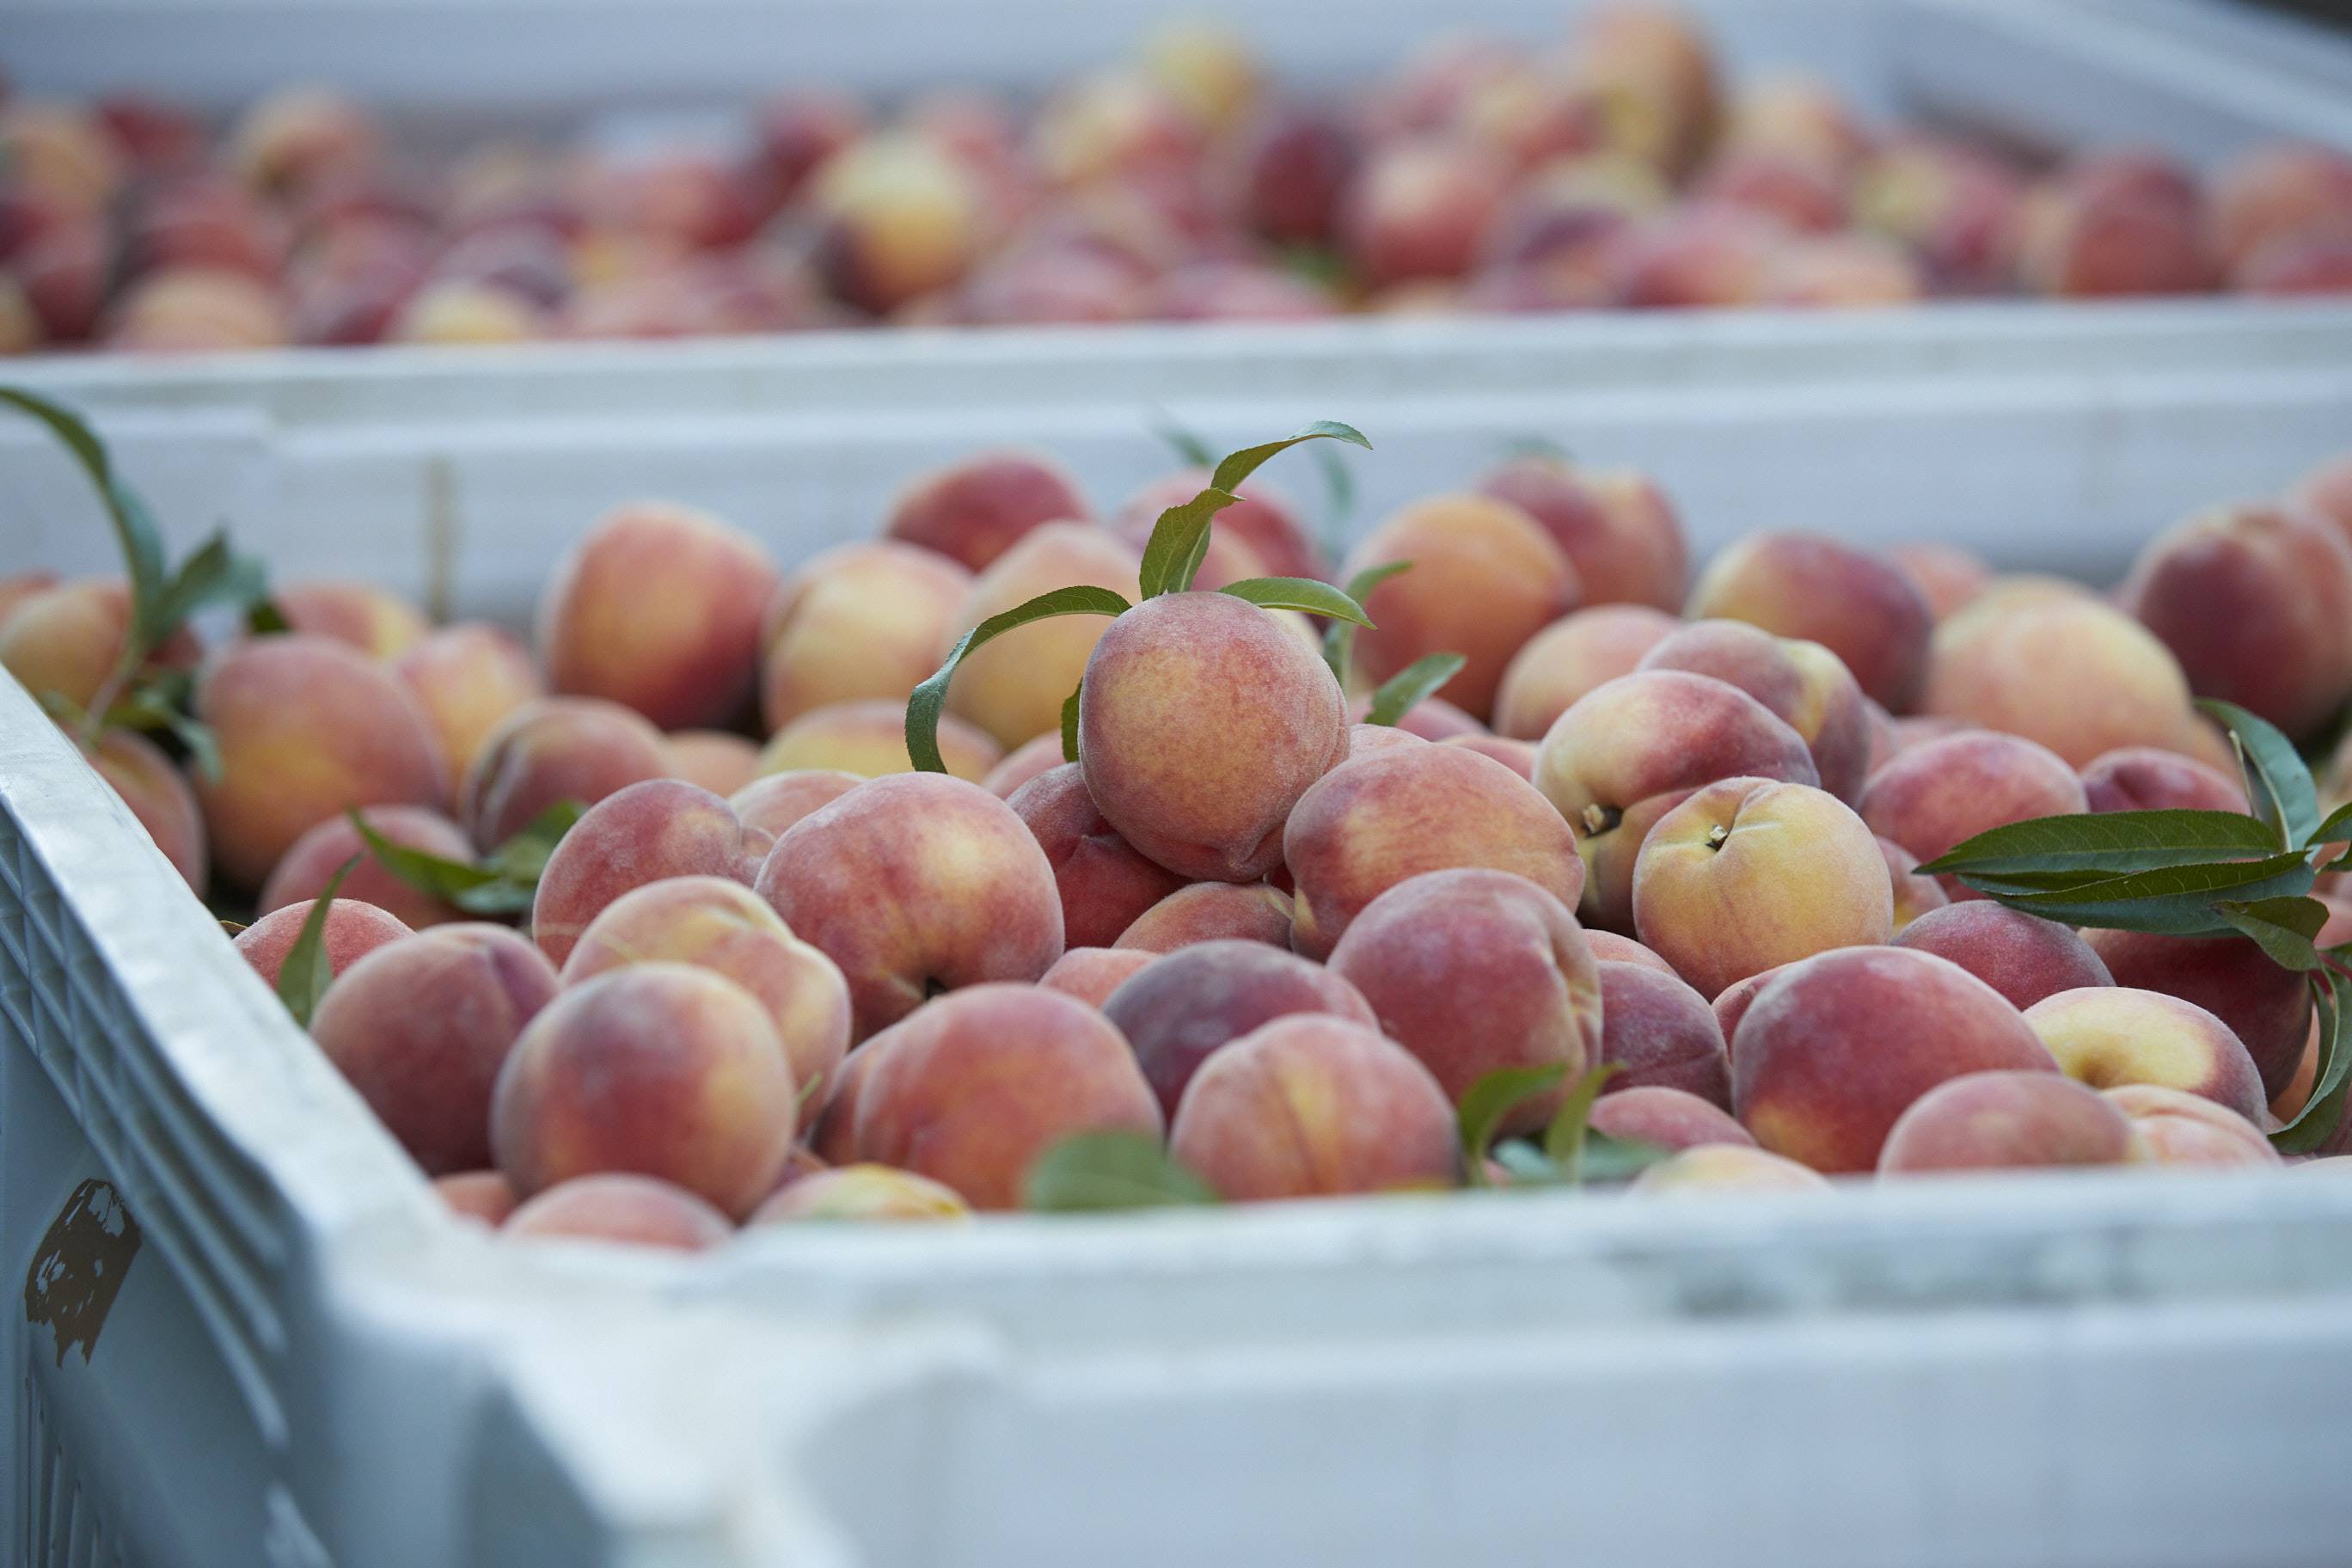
[(2007, 1121), (1014, 687), (369, 619), (1842, 271), (861, 1193), (1378, 820), (898, 217), (1804, 685), (2267, 1006), (2021, 956), (1044, 284), (913, 884), (2105, 229), (354, 930), (971, 1089), (615, 1205), (1184, 1006), (1111, 125), (658, 609), (66, 640), (1092, 973), (1914, 895), (455, 310), (1657, 78), (2149, 778), (1947, 576), (157, 794), (1366, 739), (2325, 493), (1797, 116), (1952, 206), (1038, 755), (1559, 664), (2256, 602), (974, 509), (550, 749), (2105, 1036), (1860, 607), (1315, 1106), (1732, 1003), (420, 1029), (1608, 947), (1661, 1034), (870, 739), (17, 587), (196, 309), (1419, 207), (714, 760), (772, 803), (1207, 69), (1829, 1053), (298, 137), (1719, 1167), (645, 833), (1202, 722), (1933, 795), (1694, 255), (306, 728), (484, 1197), (1260, 535), (1520, 756), (834, 1138), (2279, 191), (1747, 875), (1796, 191), (1666, 1118), (1292, 171), (717, 923), (660, 1070), (2176, 1128), (1616, 527), (61, 153), (1431, 718), (1486, 577), (1555, 243), (1629, 752), (303, 872), (64, 274), (1105, 882), (861, 621), (466, 679), (1211, 912)]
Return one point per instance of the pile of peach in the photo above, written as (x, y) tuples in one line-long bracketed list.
[(1668, 828), (1610, 168)]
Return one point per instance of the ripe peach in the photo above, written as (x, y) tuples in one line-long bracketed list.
[(1803, 684), (455, 310), (1111, 125), (2267, 1006), (196, 309), (1484, 579), (1293, 169), (1932, 796), (2115, 223), (1211, 912), (2105, 1036), (1797, 116), (367, 617), (1181, 1008), (1831, 1053), (971, 1089), (1419, 207), (1555, 243), (2176, 1128), (556, 748), (1661, 1034), (1657, 78), (299, 137), (421, 1028), (1105, 882), (1842, 271), (2006, 1120), (617, 1206), (1092, 973), (1947, 576), (1431, 718), (1914, 895), (1694, 255), (468, 678), (2149, 778), (771, 803), (1666, 1118), (714, 760), (353, 930), (899, 217), (66, 640), (19, 586), (1616, 527), (61, 153), (306, 728), (2023, 957), (1238, 291), (1862, 607), (484, 1197), (2276, 191), (870, 739), (860, 621), (1798, 192), (1747, 875), (658, 609), (913, 884), (861, 1193), (1608, 947), (303, 872), (1952, 206), (645, 833), (157, 795), (1314, 1106), (1041, 754), (1727, 1167), (2326, 493), (1520, 756), (1377, 820), (1014, 687), (1582, 650), (1630, 751), (974, 509), (1365, 739)]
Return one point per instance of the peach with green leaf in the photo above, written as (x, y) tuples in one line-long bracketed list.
[(302, 873)]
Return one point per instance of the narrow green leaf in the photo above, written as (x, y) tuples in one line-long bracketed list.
[(1070, 722), (2173, 899), (196, 738), (1092, 1171), (2336, 829), (1609, 1161), (924, 705), (2323, 1112), (213, 574), (264, 617), (1179, 544), (1340, 636), (431, 874), (1299, 593), (134, 528), (1187, 444), (230, 928), (1487, 1101), (1239, 466), (305, 975), (523, 857), (2115, 843), (1338, 502), (2283, 928), (1564, 1139), (1399, 692), (2278, 781)]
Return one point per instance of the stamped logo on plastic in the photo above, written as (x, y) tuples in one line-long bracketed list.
[(79, 1269)]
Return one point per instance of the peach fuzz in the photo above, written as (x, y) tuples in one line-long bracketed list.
[(1201, 723), (1819, 1070), (870, 739), (1315, 1106), (1520, 756), (899, 217), (303, 872), (1608, 947), (1013, 688), (2150, 778), (617, 1206), (646, 832), (68, 639), (1365, 739), (975, 508), (466, 679), (2021, 956), (1092, 973), (1431, 718), (834, 1137), (860, 621), (420, 1026), (660, 1070), (1628, 753), (484, 1197), (365, 617), (2176, 1128), (1484, 578), (1732, 1005), (1802, 683), (1023, 762), (2108, 1035), (2267, 1006), (1106, 883), (973, 1088), (1947, 576), (715, 923), (306, 728), (715, 760), (2256, 601), (1616, 527), (556, 749), (1914, 895), (1211, 912), (1933, 795), (1666, 1118), (1582, 650), (1992, 661), (1181, 1009), (2007, 1121), (353, 930), (1661, 1034), (913, 884), (1747, 875), (771, 803), (1419, 207), (1258, 535), (1859, 605), (1376, 821), (860, 1193), (1727, 1167), (157, 793)]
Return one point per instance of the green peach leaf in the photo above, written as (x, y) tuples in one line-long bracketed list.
[(134, 528), (431, 874), (523, 857), (2113, 842), (1400, 692), (1564, 1139), (923, 708), (1239, 466), (2323, 1112), (1340, 636), (1070, 722), (1316, 598), (2283, 928), (1492, 1098), (2278, 781), (305, 975), (1097, 1172)]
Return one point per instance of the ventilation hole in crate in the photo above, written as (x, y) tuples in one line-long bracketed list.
[(64, 1524)]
